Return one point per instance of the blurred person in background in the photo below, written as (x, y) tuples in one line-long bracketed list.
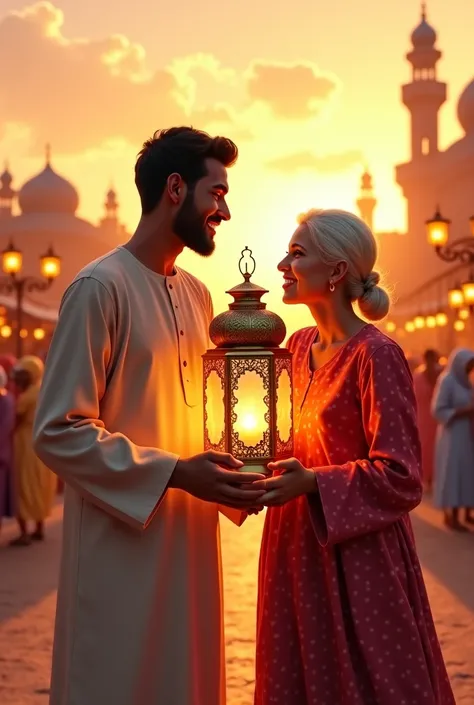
[(424, 380), (453, 409), (35, 483), (7, 423)]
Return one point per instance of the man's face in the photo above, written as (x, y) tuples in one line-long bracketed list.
[(203, 209)]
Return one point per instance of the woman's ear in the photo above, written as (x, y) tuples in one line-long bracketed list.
[(339, 271)]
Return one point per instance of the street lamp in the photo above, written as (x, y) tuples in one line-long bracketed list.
[(13, 283), (437, 229)]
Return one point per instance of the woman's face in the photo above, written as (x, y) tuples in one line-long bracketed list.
[(306, 278)]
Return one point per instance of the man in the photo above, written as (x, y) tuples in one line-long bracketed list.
[(120, 420)]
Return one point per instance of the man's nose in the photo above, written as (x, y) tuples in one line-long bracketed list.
[(224, 212)]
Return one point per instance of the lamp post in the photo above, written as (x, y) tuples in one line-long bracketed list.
[(461, 250), (14, 283), (248, 390)]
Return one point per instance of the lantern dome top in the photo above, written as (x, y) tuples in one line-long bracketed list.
[(247, 323)]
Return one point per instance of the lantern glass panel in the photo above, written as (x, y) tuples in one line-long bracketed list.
[(250, 412), (250, 409), (214, 404), (215, 408), (284, 406)]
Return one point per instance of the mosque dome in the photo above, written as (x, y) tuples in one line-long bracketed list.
[(423, 36), (48, 192), (466, 108)]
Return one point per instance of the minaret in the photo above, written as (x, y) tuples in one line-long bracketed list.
[(110, 224), (366, 202), (425, 94), (7, 194)]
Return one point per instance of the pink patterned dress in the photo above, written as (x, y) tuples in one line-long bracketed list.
[(343, 614)]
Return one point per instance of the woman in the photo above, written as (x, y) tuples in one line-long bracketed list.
[(7, 421), (424, 380), (36, 485), (343, 614), (453, 409)]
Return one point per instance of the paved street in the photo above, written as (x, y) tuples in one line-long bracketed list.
[(27, 600)]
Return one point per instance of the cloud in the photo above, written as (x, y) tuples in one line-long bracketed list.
[(87, 94), (79, 93), (307, 161), (293, 91)]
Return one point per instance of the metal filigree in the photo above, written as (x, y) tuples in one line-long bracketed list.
[(461, 250), (284, 448)]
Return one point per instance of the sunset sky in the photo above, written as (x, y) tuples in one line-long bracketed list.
[(309, 90)]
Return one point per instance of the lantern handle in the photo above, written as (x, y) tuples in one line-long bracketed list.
[(245, 260)]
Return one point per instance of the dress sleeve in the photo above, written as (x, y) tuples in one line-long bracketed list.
[(125, 480), (372, 493), (442, 406)]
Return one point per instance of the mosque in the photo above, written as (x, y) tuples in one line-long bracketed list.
[(42, 214), (432, 178)]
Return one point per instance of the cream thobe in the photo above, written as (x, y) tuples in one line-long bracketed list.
[(139, 606)]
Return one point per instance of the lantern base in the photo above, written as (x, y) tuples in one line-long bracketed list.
[(262, 469)]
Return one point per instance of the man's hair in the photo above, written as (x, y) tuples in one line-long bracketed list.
[(180, 150)]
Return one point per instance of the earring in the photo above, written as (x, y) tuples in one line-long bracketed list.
[(332, 288)]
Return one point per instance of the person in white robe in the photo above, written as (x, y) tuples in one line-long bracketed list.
[(453, 409), (120, 420)]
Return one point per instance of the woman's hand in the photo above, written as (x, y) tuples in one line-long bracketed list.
[(293, 481)]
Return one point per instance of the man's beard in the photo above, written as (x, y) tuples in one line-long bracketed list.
[(190, 226)]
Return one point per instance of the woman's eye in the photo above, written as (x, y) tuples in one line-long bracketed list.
[(297, 253)]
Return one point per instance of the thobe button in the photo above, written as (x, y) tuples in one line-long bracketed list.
[(185, 364), (181, 332), (170, 286)]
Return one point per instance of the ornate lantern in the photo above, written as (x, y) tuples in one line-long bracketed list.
[(248, 390)]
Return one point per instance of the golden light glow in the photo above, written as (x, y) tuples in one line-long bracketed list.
[(12, 259), (468, 292), (441, 319), (2, 321), (463, 314), (250, 409), (39, 333), (50, 265), (471, 224), (459, 325), (455, 297), (23, 333), (437, 230), (409, 326), (390, 327), (431, 321), (5, 331), (419, 322)]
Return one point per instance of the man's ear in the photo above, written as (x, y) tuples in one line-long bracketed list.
[(175, 188)]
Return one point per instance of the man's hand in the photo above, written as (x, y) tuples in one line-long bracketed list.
[(214, 477), (292, 481)]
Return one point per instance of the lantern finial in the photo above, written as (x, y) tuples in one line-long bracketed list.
[(246, 260)]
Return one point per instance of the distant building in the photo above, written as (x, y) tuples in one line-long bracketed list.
[(42, 213), (432, 178)]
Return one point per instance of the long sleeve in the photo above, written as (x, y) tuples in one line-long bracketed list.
[(442, 406), (125, 480), (372, 493)]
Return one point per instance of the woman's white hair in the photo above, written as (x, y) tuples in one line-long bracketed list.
[(341, 236)]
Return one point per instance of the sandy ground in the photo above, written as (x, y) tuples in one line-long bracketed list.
[(27, 602)]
